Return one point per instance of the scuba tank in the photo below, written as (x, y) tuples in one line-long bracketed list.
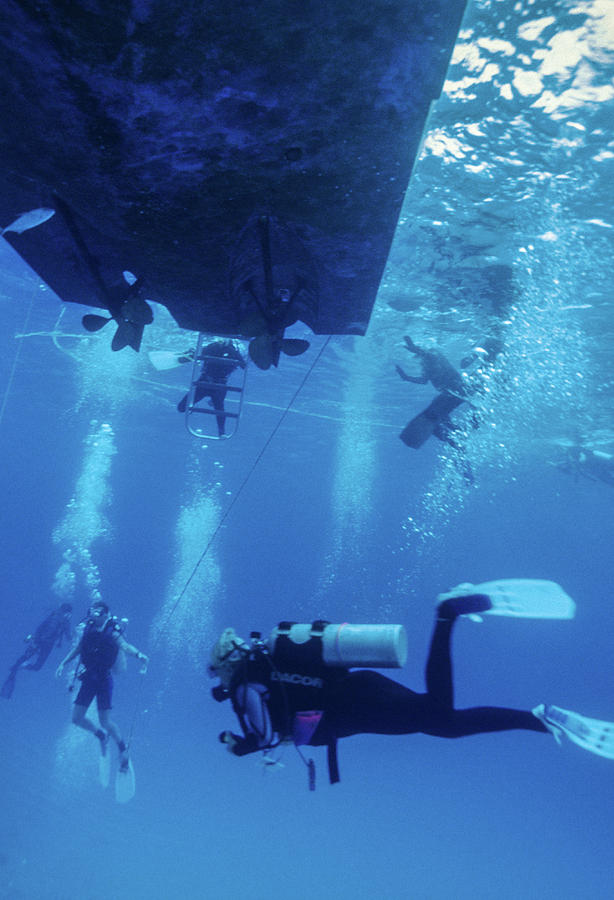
[(348, 646)]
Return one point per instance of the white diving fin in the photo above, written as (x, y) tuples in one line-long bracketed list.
[(125, 784), (104, 768), (522, 598), (593, 735), (162, 360)]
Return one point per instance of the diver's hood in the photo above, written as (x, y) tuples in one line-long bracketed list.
[(226, 653)]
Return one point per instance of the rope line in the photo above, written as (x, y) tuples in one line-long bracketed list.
[(223, 518), (16, 359), (243, 484)]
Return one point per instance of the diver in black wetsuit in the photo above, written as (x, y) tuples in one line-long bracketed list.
[(99, 642), (336, 703), (49, 634), (436, 419), (219, 361), (436, 369), (453, 390)]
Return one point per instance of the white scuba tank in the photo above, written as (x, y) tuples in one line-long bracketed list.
[(379, 646)]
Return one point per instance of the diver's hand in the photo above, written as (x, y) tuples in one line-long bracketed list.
[(59, 670), (401, 373), (144, 660)]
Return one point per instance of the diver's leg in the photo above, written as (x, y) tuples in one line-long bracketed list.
[(43, 651), (28, 653), (481, 720), (9, 684), (17, 665), (367, 702), (104, 696), (82, 703), (109, 725), (81, 720), (440, 717), (439, 682), (217, 401), (199, 393)]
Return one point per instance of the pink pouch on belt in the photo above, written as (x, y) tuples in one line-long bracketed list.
[(305, 724)]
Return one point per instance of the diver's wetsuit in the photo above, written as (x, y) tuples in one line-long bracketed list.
[(367, 702), (48, 634), (214, 376), (438, 370)]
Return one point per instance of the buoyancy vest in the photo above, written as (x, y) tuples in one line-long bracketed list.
[(99, 649), (296, 681)]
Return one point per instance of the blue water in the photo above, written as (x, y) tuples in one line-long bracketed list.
[(322, 511)]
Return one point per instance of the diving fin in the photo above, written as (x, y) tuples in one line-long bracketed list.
[(419, 430), (94, 323), (7, 688), (125, 783), (104, 768), (424, 424), (167, 359), (522, 598), (593, 735)]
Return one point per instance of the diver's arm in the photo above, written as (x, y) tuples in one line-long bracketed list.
[(76, 650), (255, 721), (239, 358), (415, 379), (132, 651)]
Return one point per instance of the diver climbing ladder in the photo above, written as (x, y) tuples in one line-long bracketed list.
[(212, 393)]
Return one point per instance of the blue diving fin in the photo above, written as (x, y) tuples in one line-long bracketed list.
[(523, 598), (593, 735)]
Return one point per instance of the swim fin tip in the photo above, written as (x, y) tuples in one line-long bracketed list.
[(593, 735), (7, 688), (523, 598)]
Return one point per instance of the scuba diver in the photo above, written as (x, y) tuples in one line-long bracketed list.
[(454, 389), (49, 634), (299, 691), (436, 369), (585, 462), (219, 361), (99, 641)]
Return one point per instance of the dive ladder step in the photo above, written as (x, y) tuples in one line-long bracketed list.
[(214, 412)]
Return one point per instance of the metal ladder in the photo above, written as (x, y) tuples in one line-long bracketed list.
[(232, 397)]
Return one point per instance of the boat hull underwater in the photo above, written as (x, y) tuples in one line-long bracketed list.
[(229, 156)]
